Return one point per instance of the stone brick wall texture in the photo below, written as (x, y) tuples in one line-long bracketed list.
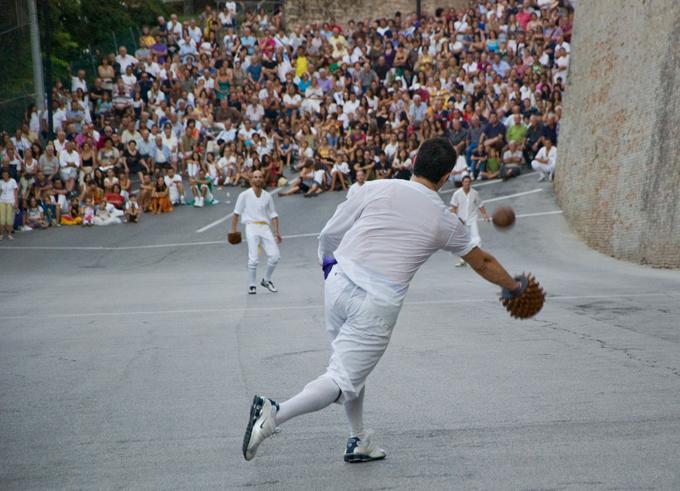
[(343, 10), (618, 165)]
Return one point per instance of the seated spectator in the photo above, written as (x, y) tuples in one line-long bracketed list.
[(107, 214), (513, 158), (460, 170), (544, 162), (115, 197), (493, 135), (160, 198), (176, 187), (492, 168), (340, 172), (479, 158), (73, 215), (35, 216), (305, 182), (201, 189), (133, 211)]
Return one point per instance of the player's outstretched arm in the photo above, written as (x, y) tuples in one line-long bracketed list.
[(490, 269)]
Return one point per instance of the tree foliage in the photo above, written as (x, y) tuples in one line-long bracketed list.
[(79, 25)]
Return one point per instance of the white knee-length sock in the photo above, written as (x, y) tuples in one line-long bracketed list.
[(355, 413), (268, 273), (252, 276), (318, 394)]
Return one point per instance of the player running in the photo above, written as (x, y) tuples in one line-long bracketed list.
[(370, 250)]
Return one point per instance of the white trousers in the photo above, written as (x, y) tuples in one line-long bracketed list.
[(474, 231), (256, 235), (544, 169), (360, 327)]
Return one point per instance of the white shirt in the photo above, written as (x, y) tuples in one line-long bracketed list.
[(171, 182), (353, 189), (125, 61), (467, 205), (386, 230), (66, 158), (252, 209), (551, 156), (227, 135), (7, 190)]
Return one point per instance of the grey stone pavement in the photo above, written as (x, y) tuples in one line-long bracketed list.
[(128, 363)]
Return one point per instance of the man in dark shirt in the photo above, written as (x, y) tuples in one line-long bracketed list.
[(533, 138), (458, 136), (550, 129), (493, 135)]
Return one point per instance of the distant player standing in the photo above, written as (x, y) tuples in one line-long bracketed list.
[(370, 250), (465, 203), (255, 207)]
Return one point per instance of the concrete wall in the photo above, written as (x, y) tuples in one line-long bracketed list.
[(618, 170), (343, 10)]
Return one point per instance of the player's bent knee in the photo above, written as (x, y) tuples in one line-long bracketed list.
[(273, 260)]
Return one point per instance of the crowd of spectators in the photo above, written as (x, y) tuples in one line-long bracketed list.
[(202, 104)]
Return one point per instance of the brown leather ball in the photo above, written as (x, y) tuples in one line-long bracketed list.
[(503, 218)]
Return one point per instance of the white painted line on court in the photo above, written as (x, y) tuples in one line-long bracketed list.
[(537, 190), (214, 224), (128, 248), (224, 219), (319, 306), (524, 215), (188, 244)]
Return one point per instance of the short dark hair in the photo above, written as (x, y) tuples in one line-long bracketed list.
[(436, 158)]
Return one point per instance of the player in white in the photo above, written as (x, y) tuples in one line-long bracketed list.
[(465, 203), (370, 250), (361, 180), (255, 208)]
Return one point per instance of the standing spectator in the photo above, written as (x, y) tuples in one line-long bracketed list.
[(9, 201)]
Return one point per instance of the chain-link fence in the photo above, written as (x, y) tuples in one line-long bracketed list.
[(90, 56), (17, 91)]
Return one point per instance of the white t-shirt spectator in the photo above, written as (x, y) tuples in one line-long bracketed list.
[(77, 83), (125, 61), (7, 190), (66, 158), (551, 156), (171, 183)]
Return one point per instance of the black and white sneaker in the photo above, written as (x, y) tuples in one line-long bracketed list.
[(268, 285), (359, 449), (252, 290), (261, 425)]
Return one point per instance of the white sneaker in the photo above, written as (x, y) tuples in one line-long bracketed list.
[(268, 285), (360, 449), (198, 203), (461, 264), (541, 178), (261, 425)]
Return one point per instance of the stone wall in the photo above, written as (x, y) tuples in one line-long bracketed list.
[(618, 169), (343, 10)]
